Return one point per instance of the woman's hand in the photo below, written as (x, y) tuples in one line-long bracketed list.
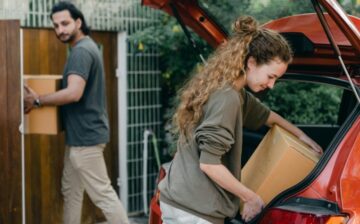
[(317, 148), (252, 207), (253, 204)]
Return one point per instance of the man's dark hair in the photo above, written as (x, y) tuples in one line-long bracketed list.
[(74, 12)]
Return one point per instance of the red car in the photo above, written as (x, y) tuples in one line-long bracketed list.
[(327, 53)]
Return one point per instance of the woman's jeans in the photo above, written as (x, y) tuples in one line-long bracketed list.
[(172, 215)]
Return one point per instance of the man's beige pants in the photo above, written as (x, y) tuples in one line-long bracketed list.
[(85, 169)]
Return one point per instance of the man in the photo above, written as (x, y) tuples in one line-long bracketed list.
[(85, 118)]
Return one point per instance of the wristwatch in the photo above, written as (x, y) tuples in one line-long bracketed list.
[(37, 103)]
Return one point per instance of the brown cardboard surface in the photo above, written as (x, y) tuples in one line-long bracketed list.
[(280, 161), (44, 120)]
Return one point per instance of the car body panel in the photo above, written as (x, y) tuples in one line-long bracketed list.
[(194, 17), (155, 213), (335, 168), (310, 27), (337, 178), (339, 181), (349, 180)]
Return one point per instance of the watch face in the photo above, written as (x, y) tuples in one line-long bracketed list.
[(37, 103)]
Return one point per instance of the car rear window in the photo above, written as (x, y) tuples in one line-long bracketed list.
[(305, 103)]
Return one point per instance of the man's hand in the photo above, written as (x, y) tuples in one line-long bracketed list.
[(29, 97)]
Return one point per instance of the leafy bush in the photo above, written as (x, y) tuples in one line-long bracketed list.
[(305, 103)]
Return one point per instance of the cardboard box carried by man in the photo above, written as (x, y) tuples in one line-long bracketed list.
[(45, 120)]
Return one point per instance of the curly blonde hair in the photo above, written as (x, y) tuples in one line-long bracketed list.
[(226, 65)]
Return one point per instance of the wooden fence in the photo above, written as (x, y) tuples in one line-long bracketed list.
[(10, 118), (42, 54)]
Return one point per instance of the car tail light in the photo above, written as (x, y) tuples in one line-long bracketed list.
[(155, 213), (280, 216)]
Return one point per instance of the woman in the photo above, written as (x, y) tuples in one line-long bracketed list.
[(202, 184)]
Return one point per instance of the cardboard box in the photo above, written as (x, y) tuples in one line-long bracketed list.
[(280, 161), (43, 120)]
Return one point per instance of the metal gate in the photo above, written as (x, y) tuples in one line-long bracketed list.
[(141, 89), (139, 124), (144, 122)]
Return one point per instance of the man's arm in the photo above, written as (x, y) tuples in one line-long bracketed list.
[(72, 93)]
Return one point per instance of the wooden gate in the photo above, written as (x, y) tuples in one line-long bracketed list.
[(45, 54), (10, 118)]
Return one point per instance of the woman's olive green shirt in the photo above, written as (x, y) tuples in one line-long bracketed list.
[(216, 140)]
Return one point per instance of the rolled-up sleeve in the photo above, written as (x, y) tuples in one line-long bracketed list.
[(215, 134), (79, 63)]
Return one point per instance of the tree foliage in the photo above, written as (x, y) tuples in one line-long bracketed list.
[(305, 103)]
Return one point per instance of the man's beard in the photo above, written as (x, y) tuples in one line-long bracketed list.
[(71, 38)]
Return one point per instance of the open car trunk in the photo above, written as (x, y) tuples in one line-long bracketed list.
[(316, 62)]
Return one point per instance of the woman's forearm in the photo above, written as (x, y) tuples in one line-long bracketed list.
[(253, 204), (222, 176), (274, 118)]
